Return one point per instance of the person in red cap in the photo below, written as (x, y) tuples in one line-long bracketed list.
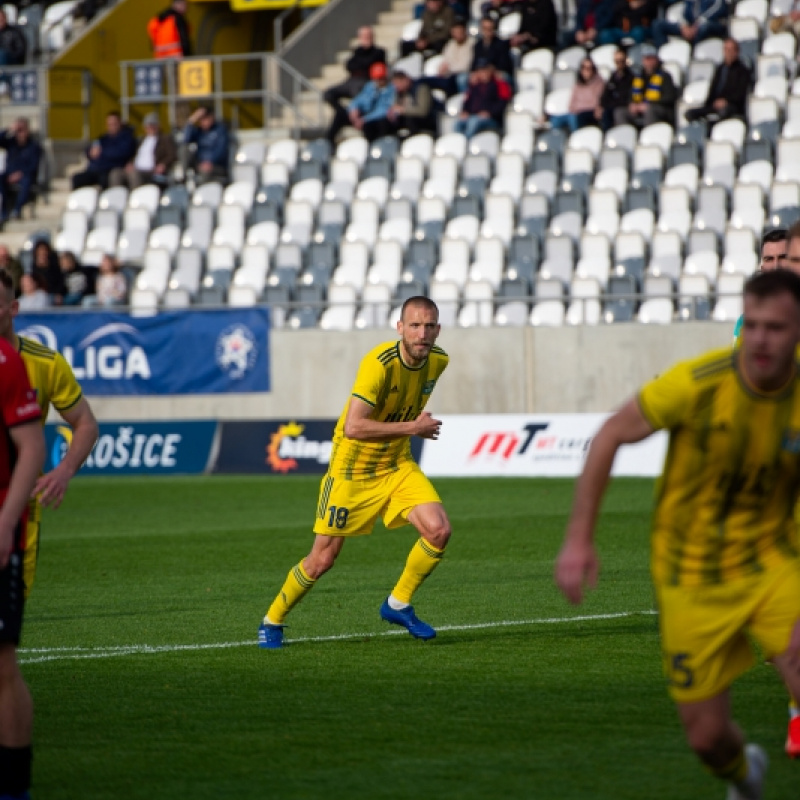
[(372, 103)]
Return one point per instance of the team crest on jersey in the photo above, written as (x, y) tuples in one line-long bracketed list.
[(791, 441), (428, 387)]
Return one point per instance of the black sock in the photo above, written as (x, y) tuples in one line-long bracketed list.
[(15, 769)]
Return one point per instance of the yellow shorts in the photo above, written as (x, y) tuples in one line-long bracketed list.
[(705, 629), (350, 508), (31, 546)]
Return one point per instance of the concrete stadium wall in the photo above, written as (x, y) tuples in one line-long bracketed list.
[(492, 371)]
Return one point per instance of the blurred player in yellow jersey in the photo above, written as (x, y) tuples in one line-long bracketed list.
[(53, 381), (725, 559), (373, 474)]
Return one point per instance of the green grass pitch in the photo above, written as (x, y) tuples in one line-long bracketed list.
[(139, 647)]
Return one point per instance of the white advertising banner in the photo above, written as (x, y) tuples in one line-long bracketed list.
[(519, 445)]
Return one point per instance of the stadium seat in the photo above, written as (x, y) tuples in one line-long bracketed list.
[(166, 237), (655, 310), (513, 313), (729, 306), (584, 307), (478, 307), (84, 199), (374, 311), (341, 312), (544, 313), (694, 300)]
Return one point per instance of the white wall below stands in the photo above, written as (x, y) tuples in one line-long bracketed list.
[(492, 371)]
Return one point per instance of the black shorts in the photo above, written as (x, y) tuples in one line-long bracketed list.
[(12, 590)]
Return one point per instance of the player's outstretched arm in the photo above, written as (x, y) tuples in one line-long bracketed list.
[(358, 425), (28, 440), (51, 487), (577, 564)]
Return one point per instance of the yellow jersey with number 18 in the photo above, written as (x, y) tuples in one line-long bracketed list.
[(726, 498)]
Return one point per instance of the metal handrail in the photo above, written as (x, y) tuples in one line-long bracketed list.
[(275, 74)]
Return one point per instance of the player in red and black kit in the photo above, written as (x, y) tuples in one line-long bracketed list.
[(21, 459)]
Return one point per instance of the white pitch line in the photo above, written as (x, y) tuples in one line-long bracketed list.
[(43, 654)]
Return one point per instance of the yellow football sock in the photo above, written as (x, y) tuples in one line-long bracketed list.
[(297, 586), (422, 560), (736, 771)]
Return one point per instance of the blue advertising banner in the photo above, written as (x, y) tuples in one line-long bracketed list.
[(173, 352), (140, 448), (281, 447)]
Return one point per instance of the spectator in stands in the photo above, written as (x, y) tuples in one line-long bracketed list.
[(616, 97), (111, 288), (702, 19), (653, 93), (113, 150), (631, 23), (153, 160), (372, 103), (584, 101), (169, 32), (364, 56), (22, 168), (727, 93), (485, 102), (10, 264), (210, 136), (13, 44), (33, 296), (453, 74), (412, 111), (76, 281), (592, 18), (88, 9), (489, 47), (495, 10), (788, 22), (437, 20), (538, 26), (46, 267)]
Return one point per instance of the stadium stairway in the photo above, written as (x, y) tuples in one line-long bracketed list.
[(388, 32)]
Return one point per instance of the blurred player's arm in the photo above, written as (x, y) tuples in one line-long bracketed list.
[(360, 426), (52, 486), (28, 441), (577, 564)]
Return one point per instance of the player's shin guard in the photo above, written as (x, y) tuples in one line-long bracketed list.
[(297, 585), (15, 770), (422, 560)]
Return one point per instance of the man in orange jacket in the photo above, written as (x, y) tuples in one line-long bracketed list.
[(169, 32)]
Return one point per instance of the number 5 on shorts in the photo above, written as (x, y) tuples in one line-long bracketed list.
[(337, 516), (681, 674)]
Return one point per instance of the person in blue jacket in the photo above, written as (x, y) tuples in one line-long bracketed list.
[(702, 19), (22, 168), (212, 156), (113, 150), (371, 104)]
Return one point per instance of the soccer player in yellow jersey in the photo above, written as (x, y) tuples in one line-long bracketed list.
[(372, 472), (54, 383), (725, 559)]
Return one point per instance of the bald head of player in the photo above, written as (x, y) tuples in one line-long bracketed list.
[(792, 261), (771, 331), (419, 328), (773, 249)]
